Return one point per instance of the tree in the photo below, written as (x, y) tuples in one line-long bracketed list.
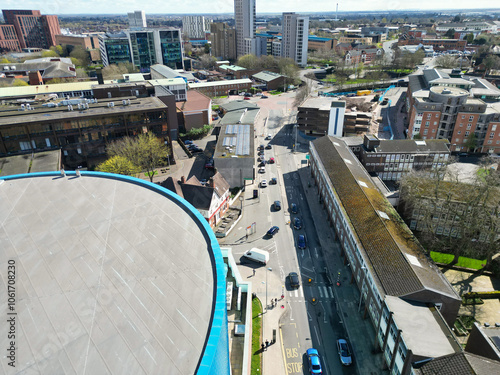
[(20, 82), (469, 38), (208, 62), (471, 142), (451, 216), (491, 62), (4, 61), (206, 48), (49, 53), (81, 73), (81, 54), (446, 61), (119, 165), (146, 151), (450, 33), (302, 94), (250, 62)]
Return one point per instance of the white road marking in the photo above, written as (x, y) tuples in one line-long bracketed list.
[(316, 252), (307, 269), (240, 228), (330, 292), (316, 331), (291, 311), (324, 313), (320, 290), (302, 292), (296, 293)]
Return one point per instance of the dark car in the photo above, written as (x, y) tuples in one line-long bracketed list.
[(268, 147), (261, 147), (247, 94), (277, 205), (293, 277), (272, 231), (385, 101), (294, 208), (209, 164), (195, 150), (191, 145), (273, 181), (261, 152), (297, 223), (314, 362), (301, 242), (262, 163), (264, 97), (344, 352), (188, 142)]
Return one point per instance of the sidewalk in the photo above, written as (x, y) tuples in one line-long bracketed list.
[(361, 332)]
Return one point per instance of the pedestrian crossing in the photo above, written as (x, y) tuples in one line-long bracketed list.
[(320, 292)]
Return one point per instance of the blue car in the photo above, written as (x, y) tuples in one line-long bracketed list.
[(272, 231), (293, 208), (314, 362), (297, 224), (301, 242)]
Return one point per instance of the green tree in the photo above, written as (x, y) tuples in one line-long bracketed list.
[(471, 142), (206, 48), (250, 62), (20, 82), (450, 33), (146, 151), (49, 53), (119, 165), (81, 54), (4, 61), (469, 38), (491, 62)]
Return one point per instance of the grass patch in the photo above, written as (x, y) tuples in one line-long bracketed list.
[(475, 264), (256, 368), (274, 92), (151, 173)]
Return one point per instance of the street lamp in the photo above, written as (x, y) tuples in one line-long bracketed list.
[(361, 290), (241, 203), (270, 270)]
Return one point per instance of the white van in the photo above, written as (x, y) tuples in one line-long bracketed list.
[(257, 255)]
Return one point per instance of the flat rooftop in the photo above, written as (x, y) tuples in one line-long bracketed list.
[(41, 114), (321, 103), (113, 275)]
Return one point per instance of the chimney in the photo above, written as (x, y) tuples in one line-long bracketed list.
[(183, 180), (35, 78), (98, 73), (211, 182)]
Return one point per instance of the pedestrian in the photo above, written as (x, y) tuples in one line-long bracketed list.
[(262, 346), (267, 343), (282, 296), (246, 236), (276, 301)]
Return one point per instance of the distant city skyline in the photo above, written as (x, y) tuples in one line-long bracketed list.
[(103, 7)]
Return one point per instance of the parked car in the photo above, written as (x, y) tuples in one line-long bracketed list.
[(463, 154), (271, 160), (195, 150), (301, 242), (314, 361), (261, 147), (294, 280), (247, 94), (344, 352), (246, 98), (262, 170), (294, 208), (273, 181), (264, 97), (262, 163), (263, 183), (268, 137), (297, 223), (273, 230), (268, 146), (261, 152), (385, 101), (188, 142), (191, 145), (277, 205)]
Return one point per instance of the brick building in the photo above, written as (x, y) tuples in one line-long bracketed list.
[(8, 39), (33, 29), (453, 108)]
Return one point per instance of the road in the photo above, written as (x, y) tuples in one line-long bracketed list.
[(310, 315)]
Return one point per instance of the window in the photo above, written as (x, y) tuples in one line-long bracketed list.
[(467, 134), (492, 134), (429, 116), (437, 115), (425, 132), (471, 118), (463, 117), (427, 124), (469, 126), (493, 128), (435, 123)]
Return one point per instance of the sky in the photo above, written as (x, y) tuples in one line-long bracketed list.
[(59, 7)]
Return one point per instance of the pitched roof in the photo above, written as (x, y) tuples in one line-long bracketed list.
[(460, 364), (394, 257), (267, 76)]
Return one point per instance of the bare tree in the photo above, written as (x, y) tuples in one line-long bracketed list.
[(302, 94), (452, 216)]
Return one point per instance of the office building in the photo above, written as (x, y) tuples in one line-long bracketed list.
[(195, 27), (223, 40), (33, 29), (295, 36), (8, 39), (137, 19), (244, 16), (123, 299), (114, 48)]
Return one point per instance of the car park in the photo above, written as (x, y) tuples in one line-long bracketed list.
[(262, 170), (344, 352), (273, 181), (314, 361), (301, 242), (294, 280), (297, 223), (273, 230), (263, 183), (271, 161), (277, 205), (268, 146), (293, 208)]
